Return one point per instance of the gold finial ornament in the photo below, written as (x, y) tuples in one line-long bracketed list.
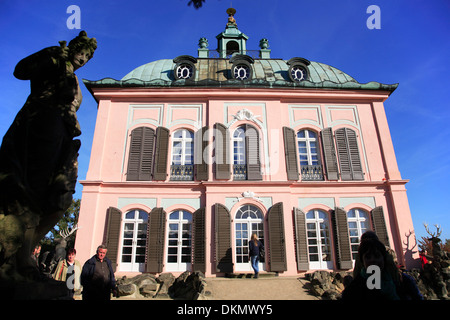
[(231, 12)]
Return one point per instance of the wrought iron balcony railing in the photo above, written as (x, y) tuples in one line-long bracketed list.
[(180, 172), (312, 173), (239, 171)]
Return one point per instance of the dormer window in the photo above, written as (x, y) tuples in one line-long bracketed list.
[(298, 73), (184, 67), (298, 70), (241, 68), (184, 71), (241, 72)]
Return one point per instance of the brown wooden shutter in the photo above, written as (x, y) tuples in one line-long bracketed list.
[(161, 154), (200, 145), (349, 159), (329, 153), (112, 234), (379, 225), (222, 223), (301, 244), (145, 173), (355, 159), (199, 246), (290, 152), (277, 245), (344, 157), (252, 153), (140, 158), (222, 152), (156, 237), (342, 239)]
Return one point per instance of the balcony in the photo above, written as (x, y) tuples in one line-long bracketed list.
[(239, 172), (311, 173), (180, 172)]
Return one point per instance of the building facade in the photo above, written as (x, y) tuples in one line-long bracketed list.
[(192, 155)]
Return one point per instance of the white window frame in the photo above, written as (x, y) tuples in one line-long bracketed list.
[(184, 139), (239, 143), (184, 218), (318, 218), (309, 154), (136, 242), (357, 219), (247, 215)]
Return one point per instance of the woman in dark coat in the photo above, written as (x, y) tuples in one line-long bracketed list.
[(255, 248)]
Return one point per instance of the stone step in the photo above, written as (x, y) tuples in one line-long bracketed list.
[(250, 275)]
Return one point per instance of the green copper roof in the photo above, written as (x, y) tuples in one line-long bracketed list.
[(216, 73)]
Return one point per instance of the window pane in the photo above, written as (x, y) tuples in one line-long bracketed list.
[(130, 215)]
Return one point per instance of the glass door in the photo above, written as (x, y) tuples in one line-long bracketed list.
[(319, 242), (134, 241), (179, 247), (248, 220)]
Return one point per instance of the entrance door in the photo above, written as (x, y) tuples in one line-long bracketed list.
[(319, 242), (179, 247), (248, 220), (134, 241)]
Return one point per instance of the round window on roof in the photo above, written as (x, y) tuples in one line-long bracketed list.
[(184, 70), (298, 73), (242, 71)]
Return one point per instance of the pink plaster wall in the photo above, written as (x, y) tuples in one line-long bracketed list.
[(363, 111)]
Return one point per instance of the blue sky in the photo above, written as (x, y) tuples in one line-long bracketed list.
[(412, 48)]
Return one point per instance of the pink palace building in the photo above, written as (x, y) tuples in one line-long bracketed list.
[(192, 155)]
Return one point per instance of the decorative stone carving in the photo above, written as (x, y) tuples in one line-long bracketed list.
[(244, 114), (38, 156)]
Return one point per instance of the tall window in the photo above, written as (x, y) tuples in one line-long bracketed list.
[(134, 240), (308, 151), (179, 247), (239, 159), (246, 161), (319, 240), (358, 223), (182, 167), (248, 220)]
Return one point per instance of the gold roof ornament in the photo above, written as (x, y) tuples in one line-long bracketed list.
[(231, 21)]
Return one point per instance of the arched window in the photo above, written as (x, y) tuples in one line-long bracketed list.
[(248, 220), (246, 163), (134, 240), (319, 240), (182, 167), (309, 155), (239, 158), (179, 246), (358, 223)]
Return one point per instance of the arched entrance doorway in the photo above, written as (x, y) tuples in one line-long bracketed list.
[(248, 220)]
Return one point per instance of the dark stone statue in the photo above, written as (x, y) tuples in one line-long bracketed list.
[(38, 155)]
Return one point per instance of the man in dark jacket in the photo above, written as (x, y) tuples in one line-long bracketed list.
[(97, 277)]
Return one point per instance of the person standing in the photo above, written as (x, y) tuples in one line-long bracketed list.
[(97, 277), (64, 272), (255, 248)]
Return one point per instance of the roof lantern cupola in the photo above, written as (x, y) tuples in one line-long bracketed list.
[(232, 40)]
